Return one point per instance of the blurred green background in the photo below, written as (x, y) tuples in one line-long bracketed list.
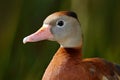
[(100, 22)]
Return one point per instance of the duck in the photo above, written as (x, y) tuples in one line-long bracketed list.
[(68, 63)]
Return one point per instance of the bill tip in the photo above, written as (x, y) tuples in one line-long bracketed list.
[(25, 40)]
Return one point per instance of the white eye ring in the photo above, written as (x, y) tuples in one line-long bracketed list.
[(60, 23)]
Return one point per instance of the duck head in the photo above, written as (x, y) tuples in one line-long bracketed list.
[(63, 27)]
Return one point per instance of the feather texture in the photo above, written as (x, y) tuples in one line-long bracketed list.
[(67, 64)]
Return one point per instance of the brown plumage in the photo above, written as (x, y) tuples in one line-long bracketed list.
[(67, 63)]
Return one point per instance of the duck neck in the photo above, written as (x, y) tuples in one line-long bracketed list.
[(74, 53), (71, 43)]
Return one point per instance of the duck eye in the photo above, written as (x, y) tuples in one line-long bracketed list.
[(60, 23)]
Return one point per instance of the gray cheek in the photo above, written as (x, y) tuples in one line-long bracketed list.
[(58, 32)]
